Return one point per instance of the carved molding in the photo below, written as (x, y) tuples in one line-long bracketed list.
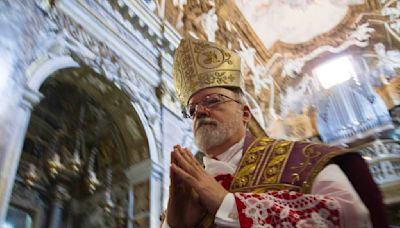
[(384, 160), (30, 98), (97, 55)]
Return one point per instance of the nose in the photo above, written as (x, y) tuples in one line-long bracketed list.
[(200, 111)]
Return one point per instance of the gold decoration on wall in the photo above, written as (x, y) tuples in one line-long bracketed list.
[(54, 165), (390, 93), (30, 176), (91, 179)]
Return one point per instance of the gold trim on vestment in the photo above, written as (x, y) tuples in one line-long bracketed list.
[(265, 161), (318, 167), (249, 163), (267, 157), (262, 165)]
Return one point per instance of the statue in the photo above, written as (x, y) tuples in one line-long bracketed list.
[(388, 61), (209, 22)]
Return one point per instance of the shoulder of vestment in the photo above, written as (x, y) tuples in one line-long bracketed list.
[(271, 164)]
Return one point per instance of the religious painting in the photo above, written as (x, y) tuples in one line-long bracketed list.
[(294, 21)]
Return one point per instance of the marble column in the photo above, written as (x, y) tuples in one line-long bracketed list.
[(60, 196), (155, 194), (147, 170), (14, 120), (131, 207)]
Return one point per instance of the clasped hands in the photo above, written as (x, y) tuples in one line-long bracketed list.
[(193, 192)]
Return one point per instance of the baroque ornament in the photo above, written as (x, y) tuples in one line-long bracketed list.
[(209, 22), (358, 37), (293, 68), (102, 60), (393, 13)]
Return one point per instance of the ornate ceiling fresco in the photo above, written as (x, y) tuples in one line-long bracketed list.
[(282, 41), (294, 22)]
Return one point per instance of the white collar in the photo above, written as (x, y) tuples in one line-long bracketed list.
[(226, 162), (230, 153)]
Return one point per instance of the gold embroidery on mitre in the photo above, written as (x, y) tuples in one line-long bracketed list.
[(201, 64)]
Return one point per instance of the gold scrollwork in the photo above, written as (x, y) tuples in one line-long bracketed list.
[(309, 152), (277, 160), (248, 164)]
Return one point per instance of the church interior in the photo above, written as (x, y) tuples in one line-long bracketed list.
[(89, 114)]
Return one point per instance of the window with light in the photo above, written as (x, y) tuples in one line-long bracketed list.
[(334, 72)]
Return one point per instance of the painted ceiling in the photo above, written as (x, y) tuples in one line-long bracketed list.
[(293, 21), (282, 41)]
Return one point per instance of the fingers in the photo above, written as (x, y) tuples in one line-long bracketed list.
[(177, 185), (180, 157), (176, 181), (173, 158), (172, 174), (183, 163), (187, 178), (188, 157), (191, 159), (176, 156), (187, 162)]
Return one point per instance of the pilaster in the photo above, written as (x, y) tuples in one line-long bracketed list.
[(12, 144)]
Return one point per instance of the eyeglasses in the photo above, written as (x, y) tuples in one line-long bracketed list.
[(208, 102)]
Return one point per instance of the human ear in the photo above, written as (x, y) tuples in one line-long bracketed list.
[(246, 114)]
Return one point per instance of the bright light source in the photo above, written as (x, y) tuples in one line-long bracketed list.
[(368, 158), (335, 72), (7, 225)]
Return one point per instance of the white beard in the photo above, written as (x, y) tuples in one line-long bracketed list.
[(213, 133)]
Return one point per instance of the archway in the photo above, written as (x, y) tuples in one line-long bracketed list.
[(83, 117)]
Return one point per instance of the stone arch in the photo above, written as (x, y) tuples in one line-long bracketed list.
[(44, 67)]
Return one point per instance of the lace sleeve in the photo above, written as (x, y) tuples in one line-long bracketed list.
[(286, 209)]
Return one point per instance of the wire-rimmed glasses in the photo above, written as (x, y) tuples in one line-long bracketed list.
[(208, 102)]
